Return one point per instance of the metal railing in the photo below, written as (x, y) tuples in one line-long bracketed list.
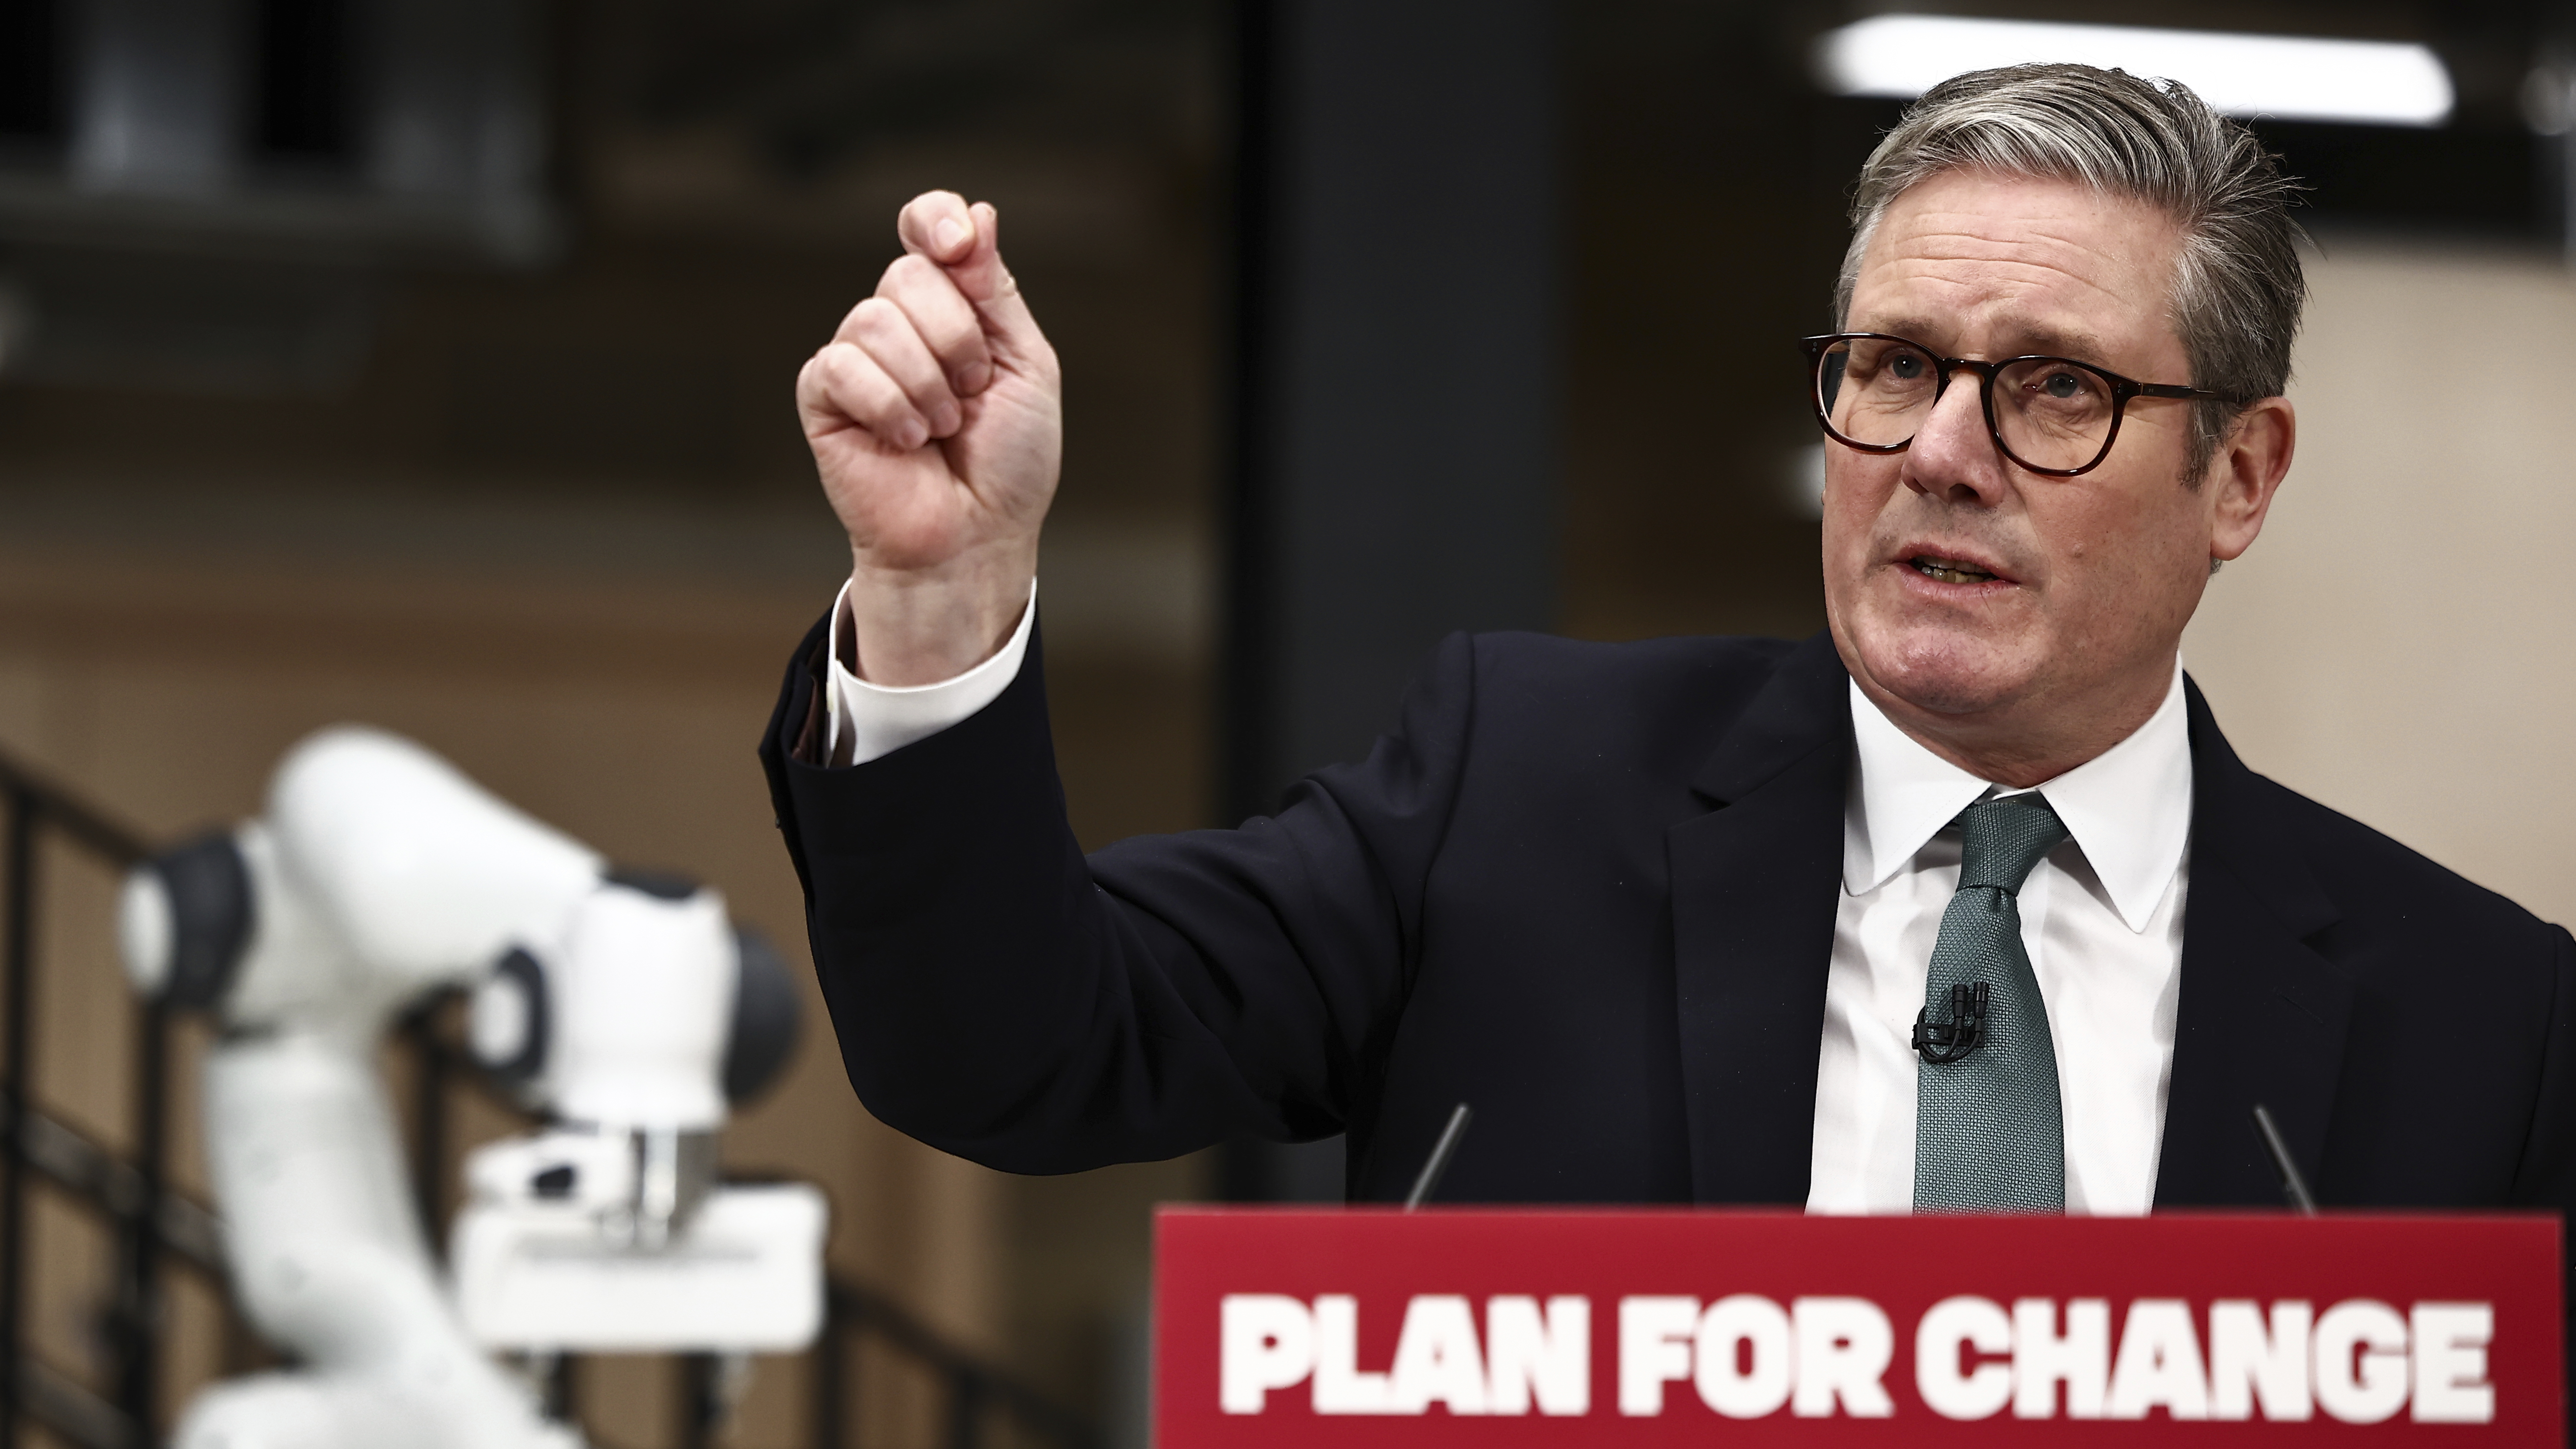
[(155, 1228)]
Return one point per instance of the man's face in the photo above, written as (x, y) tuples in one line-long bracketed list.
[(1958, 583)]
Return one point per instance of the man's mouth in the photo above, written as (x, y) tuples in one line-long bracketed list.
[(1949, 570)]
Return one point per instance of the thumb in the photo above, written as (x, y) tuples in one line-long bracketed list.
[(982, 278)]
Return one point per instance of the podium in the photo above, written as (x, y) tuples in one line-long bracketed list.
[(1510, 1327)]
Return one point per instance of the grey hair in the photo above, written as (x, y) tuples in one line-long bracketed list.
[(2238, 286)]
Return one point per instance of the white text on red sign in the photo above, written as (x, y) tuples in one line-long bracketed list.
[(1746, 1356)]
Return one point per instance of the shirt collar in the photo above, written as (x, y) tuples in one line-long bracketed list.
[(2129, 808)]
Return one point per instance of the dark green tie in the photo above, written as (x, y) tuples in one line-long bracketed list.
[(1987, 1129)]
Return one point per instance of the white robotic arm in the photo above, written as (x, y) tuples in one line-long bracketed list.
[(377, 873), (625, 1004), (607, 1232)]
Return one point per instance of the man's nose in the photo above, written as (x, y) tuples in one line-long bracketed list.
[(1953, 456)]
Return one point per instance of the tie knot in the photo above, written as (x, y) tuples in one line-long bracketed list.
[(2001, 841)]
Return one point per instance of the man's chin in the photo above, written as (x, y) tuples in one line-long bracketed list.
[(1942, 672)]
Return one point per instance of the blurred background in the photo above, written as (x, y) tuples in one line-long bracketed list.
[(428, 363)]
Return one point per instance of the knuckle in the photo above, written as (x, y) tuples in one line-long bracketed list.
[(907, 272), (880, 326), (843, 365)]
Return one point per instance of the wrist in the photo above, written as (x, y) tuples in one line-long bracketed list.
[(918, 626)]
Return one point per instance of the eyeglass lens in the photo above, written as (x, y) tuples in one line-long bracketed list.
[(2048, 412)]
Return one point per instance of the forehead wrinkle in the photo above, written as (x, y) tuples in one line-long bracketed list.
[(2009, 233), (2093, 244), (1920, 251), (2032, 291)]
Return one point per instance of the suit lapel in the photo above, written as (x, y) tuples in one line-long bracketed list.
[(2262, 1013), (1754, 885)]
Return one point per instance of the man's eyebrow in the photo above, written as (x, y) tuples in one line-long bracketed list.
[(1917, 329), (2075, 342), (2027, 337)]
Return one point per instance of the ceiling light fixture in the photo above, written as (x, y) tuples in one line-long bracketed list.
[(2283, 77)]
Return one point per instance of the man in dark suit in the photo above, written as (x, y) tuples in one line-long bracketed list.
[(1964, 903)]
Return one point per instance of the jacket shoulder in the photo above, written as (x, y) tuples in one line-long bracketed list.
[(1654, 706), (2371, 876), (1699, 668)]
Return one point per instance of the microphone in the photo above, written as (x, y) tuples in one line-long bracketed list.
[(2294, 1184), (1441, 1151), (1948, 1041)]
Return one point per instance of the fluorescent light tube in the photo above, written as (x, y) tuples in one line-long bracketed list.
[(2285, 77)]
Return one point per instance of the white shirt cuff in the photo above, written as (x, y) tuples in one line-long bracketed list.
[(870, 721)]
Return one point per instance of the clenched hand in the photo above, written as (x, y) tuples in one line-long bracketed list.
[(936, 418)]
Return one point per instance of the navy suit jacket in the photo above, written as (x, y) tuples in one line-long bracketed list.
[(1590, 889)]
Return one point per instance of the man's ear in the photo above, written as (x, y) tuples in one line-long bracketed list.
[(2245, 475)]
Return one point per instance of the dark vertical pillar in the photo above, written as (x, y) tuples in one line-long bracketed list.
[(1396, 429)]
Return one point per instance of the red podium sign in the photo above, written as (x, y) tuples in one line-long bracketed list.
[(1649, 1327)]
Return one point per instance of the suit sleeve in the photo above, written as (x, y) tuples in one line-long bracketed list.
[(1001, 997)]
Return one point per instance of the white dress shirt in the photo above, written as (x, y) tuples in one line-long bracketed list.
[(870, 721), (2102, 917)]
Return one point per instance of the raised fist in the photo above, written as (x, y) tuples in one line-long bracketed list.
[(936, 418)]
